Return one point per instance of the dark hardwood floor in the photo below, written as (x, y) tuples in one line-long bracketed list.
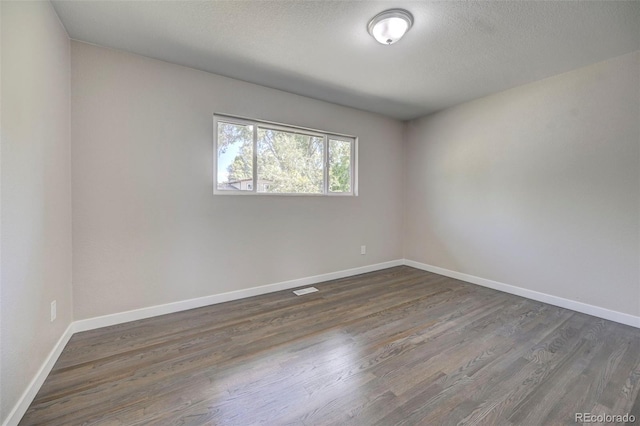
[(398, 346)]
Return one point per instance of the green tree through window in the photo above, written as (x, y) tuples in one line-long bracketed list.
[(339, 166), (287, 161), (292, 163)]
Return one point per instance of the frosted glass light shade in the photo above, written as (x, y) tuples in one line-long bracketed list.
[(389, 26)]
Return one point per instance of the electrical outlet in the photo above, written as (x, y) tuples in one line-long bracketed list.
[(363, 249), (53, 311)]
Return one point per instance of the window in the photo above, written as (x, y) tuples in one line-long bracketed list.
[(256, 157)]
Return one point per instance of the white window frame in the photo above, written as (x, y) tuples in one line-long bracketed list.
[(326, 136)]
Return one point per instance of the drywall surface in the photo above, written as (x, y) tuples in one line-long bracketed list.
[(36, 192), (147, 229), (536, 187)]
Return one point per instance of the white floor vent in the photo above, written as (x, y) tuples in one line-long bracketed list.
[(305, 291)]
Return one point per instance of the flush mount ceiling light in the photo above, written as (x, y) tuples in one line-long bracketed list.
[(389, 26)]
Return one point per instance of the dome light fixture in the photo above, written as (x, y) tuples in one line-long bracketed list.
[(389, 26)]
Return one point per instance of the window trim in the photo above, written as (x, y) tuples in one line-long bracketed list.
[(326, 136)]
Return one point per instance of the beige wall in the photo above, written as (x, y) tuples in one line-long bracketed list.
[(36, 192), (147, 229), (536, 187)]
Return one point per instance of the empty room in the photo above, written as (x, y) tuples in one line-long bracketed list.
[(319, 212)]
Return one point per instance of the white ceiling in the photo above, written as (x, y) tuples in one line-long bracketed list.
[(456, 51)]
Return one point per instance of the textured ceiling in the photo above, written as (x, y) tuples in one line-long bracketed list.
[(456, 51)]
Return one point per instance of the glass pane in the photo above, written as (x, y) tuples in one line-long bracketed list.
[(339, 166), (290, 163), (235, 157)]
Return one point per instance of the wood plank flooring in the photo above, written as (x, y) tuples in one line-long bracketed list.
[(394, 347)]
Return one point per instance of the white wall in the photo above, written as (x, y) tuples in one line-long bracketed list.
[(147, 229), (536, 187), (36, 192)]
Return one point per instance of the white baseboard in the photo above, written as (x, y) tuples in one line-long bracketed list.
[(183, 305), (103, 321), (92, 323), (585, 308), (29, 394)]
